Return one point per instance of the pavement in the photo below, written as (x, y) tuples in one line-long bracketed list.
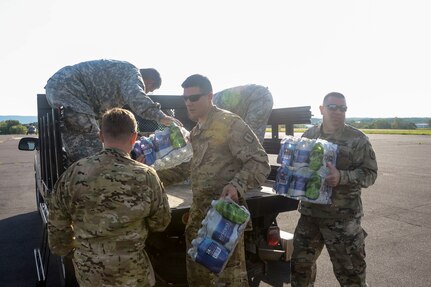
[(397, 217)]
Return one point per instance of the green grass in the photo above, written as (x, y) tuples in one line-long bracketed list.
[(397, 132), (379, 131)]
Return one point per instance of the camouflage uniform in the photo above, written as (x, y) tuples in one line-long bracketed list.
[(87, 90), (337, 226), (225, 151), (253, 103), (101, 212)]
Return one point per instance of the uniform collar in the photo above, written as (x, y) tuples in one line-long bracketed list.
[(336, 134), (213, 110), (117, 151)]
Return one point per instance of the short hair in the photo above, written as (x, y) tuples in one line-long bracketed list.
[(335, 95), (199, 81), (118, 123), (152, 74)]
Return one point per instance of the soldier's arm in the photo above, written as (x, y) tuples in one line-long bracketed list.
[(160, 214), (177, 174), (365, 174), (245, 146), (133, 91), (60, 232)]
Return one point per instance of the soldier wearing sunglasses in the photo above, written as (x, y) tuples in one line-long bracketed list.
[(338, 225), (228, 160)]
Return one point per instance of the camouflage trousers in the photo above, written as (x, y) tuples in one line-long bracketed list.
[(253, 103), (344, 240), (104, 264), (80, 135), (235, 272)]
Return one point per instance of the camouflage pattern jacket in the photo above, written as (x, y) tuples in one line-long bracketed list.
[(253, 103), (225, 150), (104, 206), (357, 164), (238, 99), (93, 87)]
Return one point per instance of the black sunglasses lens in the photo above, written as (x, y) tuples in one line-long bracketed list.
[(333, 107), (193, 98)]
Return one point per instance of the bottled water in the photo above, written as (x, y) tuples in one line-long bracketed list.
[(231, 211), (219, 229), (137, 148), (162, 142), (283, 179), (316, 156), (147, 148), (313, 186), (210, 254), (299, 182), (220, 232), (176, 136), (302, 152), (287, 149)]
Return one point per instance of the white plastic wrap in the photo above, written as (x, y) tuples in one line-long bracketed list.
[(221, 230), (159, 152), (304, 168)]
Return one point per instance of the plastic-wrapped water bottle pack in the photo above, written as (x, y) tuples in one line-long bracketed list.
[(221, 230), (303, 169), (165, 148)]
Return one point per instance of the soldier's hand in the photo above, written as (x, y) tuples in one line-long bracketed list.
[(168, 120), (334, 176), (231, 192)]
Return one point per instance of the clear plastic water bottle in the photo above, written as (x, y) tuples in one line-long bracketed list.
[(283, 179), (212, 255), (147, 148), (299, 182), (231, 211), (313, 186), (302, 152), (137, 148), (288, 155), (177, 137)]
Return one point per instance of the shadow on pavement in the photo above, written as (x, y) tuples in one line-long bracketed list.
[(20, 235), (278, 275)]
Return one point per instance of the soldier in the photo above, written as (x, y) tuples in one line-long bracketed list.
[(88, 89), (337, 226), (227, 161), (103, 208), (253, 103)]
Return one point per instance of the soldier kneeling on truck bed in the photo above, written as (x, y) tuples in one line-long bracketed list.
[(86, 90), (253, 103)]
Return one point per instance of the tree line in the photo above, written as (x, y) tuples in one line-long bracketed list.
[(12, 127), (15, 127), (396, 123)]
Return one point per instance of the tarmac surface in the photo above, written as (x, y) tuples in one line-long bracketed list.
[(397, 217)]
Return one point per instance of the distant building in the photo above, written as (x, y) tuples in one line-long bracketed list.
[(422, 125)]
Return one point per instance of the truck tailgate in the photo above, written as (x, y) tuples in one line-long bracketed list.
[(260, 201)]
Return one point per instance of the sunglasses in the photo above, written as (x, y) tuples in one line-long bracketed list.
[(334, 107), (193, 98)]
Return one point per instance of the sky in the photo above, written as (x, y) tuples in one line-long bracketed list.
[(376, 52)]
